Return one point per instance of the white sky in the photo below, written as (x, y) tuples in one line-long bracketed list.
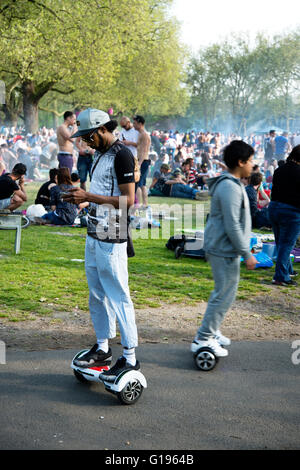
[(205, 22)]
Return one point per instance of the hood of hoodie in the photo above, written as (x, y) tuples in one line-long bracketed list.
[(213, 182)]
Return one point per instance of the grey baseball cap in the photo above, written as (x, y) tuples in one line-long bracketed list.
[(89, 120)]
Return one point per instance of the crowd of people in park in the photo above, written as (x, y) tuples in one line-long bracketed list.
[(168, 164), (188, 158), (253, 182)]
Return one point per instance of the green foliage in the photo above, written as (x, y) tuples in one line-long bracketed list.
[(97, 53), (235, 82)]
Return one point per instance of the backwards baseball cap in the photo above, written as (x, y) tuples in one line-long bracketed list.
[(89, 120)]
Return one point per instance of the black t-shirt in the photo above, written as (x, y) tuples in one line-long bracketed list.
[(7, 186), (286, 184), (43, 195), (124, 166)]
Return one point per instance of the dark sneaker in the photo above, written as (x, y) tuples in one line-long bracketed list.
[(294, 274), (284, 283), (94, 358), (120, 366)]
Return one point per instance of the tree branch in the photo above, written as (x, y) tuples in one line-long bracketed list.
[(12, 86), (40, 4), (43, 88), (53, 111), (9, 71), (67, 92)]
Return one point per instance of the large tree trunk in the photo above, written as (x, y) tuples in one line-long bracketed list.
[(32, 94), (30, 107)]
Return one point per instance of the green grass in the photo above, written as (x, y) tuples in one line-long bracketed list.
[(42, 278)]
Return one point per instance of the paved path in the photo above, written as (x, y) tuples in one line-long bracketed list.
[(250, 400)]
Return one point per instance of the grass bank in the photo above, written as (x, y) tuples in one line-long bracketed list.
[(48, 274)]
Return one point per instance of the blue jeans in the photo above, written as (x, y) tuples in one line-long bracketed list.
[(144, 173), (109, 297), (182, 190), (285, 221), (262, 218), (84, 165), (53, 218)]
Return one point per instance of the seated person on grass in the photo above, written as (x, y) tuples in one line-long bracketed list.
[(189, 171), (43, 195), (203, 176), (260, 217), (160, 173), (263, 197), (13, 195), (173, 185), (75, 178), (62, 212)]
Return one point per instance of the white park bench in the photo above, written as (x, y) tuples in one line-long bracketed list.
[(13, 221)]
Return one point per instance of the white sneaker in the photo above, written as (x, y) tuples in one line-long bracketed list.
[(222, 340), (212, 343)]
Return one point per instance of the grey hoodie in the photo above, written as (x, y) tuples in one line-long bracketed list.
[(228, 228)]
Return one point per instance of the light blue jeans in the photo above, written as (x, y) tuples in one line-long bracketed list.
[(109, 297)]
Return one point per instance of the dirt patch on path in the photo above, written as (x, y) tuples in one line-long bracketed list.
[(275, 316)]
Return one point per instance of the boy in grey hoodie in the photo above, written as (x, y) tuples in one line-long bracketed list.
[(226, 239)]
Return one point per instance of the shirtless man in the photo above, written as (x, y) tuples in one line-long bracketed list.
[(143, 147), (65, 143)]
